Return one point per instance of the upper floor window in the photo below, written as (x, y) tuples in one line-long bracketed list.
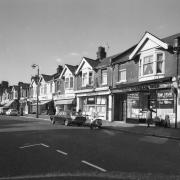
[(50, 87), (69, 82), (104, 76), (87, 78), (159, 68), (45, 89), (90, 78), (152, 64), (148, 65), (57, 85), (66, 83), (122, 75), (84, 79)]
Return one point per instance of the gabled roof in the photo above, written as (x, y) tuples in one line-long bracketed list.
[(15, 87), (71, 68), (146, 36), (46, 77), (91, 62), (34, 79)]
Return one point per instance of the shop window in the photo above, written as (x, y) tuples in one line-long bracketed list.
[(91, 100), (101, 100), (104, 76)]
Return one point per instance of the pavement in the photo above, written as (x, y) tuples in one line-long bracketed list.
[(141, 129)]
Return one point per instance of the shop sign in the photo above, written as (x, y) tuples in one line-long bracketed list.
[(144, 87), (91, 100), (165, 95)]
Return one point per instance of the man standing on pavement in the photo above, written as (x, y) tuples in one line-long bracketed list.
[(149, 116)]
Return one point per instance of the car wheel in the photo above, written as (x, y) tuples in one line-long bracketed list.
[(66, 123)]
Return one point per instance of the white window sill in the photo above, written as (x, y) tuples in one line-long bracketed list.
[(120, 82)]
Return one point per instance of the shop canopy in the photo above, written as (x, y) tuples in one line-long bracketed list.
[(64, 101), (9, 103), (41, 103)]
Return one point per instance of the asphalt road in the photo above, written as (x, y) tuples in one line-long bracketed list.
[(36, 149)]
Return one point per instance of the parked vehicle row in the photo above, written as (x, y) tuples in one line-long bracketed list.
[(9, 112), (68, 118)]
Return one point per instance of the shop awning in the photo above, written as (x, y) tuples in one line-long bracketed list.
[(9, 103), (64, 101), (41, 103)]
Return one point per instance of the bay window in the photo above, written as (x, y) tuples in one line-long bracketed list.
[(151, 64)]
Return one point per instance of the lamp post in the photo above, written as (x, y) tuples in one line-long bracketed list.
[(37, 90), (176, 49)]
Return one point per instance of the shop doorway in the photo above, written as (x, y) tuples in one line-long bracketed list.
[(120, 107)]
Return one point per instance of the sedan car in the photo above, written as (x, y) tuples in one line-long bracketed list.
[(68, 118), (12, 112)]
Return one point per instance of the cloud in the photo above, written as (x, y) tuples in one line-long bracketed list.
[(74, 54), (59, 60)]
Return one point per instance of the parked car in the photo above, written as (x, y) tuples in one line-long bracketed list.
[(12, 112), (68, 118)]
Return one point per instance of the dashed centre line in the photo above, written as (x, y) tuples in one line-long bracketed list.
[(44, 145), (31, 145), (62, 152), (92, 165)]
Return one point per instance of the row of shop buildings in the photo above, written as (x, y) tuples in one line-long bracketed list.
[(120, 87)]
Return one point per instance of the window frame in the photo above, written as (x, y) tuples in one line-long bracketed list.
[(102, 77), (119, 77), (153, 53)]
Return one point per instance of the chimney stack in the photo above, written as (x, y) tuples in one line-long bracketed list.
[(59, 69), (101, 53)]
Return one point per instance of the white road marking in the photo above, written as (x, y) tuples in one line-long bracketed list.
[(62, 152), (92, 165), (44, 145), (31, 145)]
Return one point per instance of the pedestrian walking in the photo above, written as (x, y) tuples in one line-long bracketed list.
[(149, 116)]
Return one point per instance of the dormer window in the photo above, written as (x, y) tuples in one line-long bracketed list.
[(151, 64), (104, 76)]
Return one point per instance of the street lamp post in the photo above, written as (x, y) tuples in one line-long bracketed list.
[(37, 90), (176, 49)]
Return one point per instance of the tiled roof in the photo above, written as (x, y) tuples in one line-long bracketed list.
[(124, 56), (55, 76), (170, 39), (72, 68), (92, 62), (47, 77)]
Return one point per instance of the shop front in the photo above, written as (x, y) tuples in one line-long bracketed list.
[(156, 95), (98, 102), (64, 102)]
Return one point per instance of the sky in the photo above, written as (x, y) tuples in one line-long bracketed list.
[(57, 32)]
